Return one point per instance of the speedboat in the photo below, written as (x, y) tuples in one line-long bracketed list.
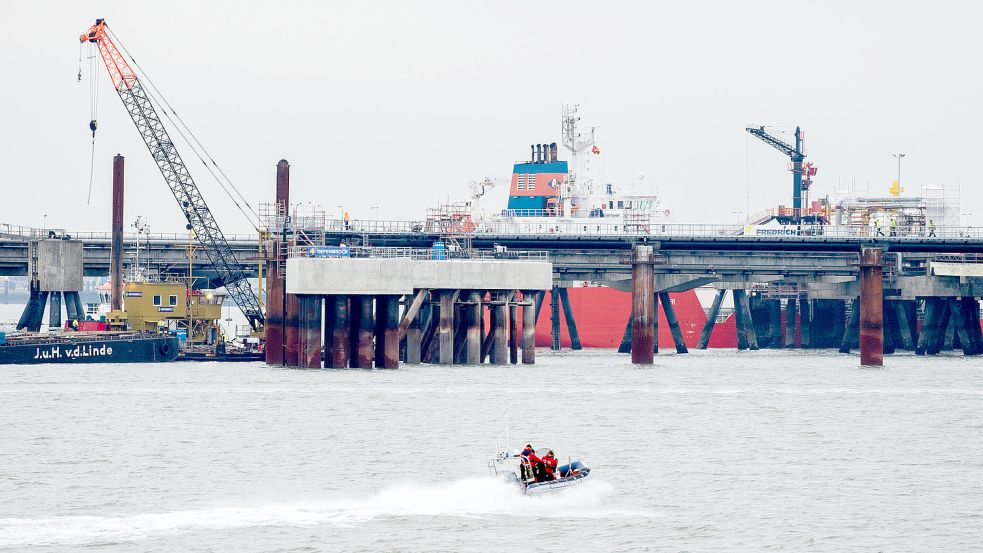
[(515, 469)]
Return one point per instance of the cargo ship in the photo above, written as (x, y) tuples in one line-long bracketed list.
[(544, 191), (87, 347)]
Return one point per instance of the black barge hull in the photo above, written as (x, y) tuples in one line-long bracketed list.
[(142, 349)]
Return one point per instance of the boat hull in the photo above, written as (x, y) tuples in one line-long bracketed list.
[(601, 313), (70, 350), (558, 484)]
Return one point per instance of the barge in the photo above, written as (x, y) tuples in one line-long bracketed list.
[(88, 347)]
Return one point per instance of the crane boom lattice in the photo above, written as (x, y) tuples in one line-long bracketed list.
[(176, 174)]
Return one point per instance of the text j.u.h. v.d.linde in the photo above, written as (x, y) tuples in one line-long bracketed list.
[(57, 352)]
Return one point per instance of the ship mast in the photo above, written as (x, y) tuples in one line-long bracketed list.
[(576, 143)]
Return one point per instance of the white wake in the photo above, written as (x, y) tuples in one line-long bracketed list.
[(472, 497)]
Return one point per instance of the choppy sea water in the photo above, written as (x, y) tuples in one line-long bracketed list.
[(711, 451)]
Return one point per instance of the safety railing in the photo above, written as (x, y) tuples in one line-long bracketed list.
[(419, 254), (959, 258), (597, 227)]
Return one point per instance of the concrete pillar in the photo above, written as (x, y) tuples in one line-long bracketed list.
[(54, 312), (472, 354), (116, 243), (363, 329), (677, 333), (339, 332), (571, 323), (740, 320), (790, 311), (642, 306), (529, 327), (445, 330), (309, 331), (891, 338), (500, 347), (871, 308), (711, 319), (513, 332)]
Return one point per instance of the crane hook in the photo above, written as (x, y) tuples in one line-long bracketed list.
[(92, 127)]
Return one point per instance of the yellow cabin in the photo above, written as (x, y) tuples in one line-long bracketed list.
[(152, 306)]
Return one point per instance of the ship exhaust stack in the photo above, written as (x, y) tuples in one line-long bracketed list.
[(554, 154), (539, 153), (532, 154), (116, 246)]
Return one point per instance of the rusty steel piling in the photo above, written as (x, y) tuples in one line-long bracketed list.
[(871, 307), (642, 306)]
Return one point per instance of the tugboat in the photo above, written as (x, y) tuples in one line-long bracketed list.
[(515, 469)]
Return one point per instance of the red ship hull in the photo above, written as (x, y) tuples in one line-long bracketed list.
[(601, 314)]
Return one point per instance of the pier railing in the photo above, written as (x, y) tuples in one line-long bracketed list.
[(588, 227), (419, 254)]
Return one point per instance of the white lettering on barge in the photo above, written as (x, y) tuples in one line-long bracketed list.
[(85, 350)]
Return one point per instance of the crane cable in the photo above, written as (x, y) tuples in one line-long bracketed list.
[(157, 97), (93, 109)]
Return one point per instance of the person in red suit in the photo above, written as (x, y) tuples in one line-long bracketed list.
[(549, 465), (538, 468)]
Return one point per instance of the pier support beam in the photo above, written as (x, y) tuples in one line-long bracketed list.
[(926, 338), (514, 332), (363, 329), (291, 330), (790, 311), (642, 306), (775, 324), (625, 346), (745, 324), (871, 307), (904, 329), (555, 319), (70, 309), (116, 244), (711, 319), (309, 335), (851, 335), (805, 321), (445, 328), (529, 326), (54, 311), (500, 325), (571, 323), (472, 354), (677, 333), (337, 332)]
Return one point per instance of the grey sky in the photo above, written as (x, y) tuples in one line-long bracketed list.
[(399, 104)]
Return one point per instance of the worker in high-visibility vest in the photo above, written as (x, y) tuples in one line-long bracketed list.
[(877, 226), (346, 217), (931, 228), (893, 227)]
